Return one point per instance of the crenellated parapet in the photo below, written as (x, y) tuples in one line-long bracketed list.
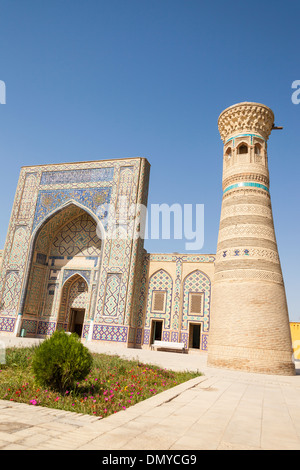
[(246, 118)]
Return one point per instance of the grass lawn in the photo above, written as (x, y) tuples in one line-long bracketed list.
[(113, 384)]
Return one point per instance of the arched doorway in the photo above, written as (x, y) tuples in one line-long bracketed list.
[(75, 303)]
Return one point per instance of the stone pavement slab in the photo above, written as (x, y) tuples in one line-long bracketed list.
[(220, 410)]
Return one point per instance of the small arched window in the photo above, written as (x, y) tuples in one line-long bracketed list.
[(243, 149), (257, 149), (228, 152)]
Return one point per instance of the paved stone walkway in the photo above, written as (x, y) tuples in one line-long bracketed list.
[(220, 410)]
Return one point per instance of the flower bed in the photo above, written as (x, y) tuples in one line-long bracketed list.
[(113, 384)]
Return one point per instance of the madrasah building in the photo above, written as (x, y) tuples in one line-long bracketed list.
[(67, 264)]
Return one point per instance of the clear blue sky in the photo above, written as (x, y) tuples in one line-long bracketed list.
[(94, 79)]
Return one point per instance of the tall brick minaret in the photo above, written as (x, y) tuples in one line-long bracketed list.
[(249, 318)]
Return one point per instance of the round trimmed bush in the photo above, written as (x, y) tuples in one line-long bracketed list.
[(61, 360)]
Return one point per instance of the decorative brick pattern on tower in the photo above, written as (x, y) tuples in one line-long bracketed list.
[(249, 318)]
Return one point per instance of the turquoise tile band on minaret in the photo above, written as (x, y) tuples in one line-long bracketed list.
[(244, 135), (246, 184)]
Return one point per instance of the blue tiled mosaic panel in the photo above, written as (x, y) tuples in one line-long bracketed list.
[(7, 324), (204, 342), (70, 272), (85, 332), (174, 337), (29, 326), (184, 339), (89, 175), (110, 333), (166, 336), (46, 328), (146, 336), (48, 200)]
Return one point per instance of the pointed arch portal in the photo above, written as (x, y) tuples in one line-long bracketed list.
[(64, 246)]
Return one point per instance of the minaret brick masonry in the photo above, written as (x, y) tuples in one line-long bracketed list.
[(249, 317)]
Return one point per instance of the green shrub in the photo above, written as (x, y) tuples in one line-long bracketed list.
[(61, 360)]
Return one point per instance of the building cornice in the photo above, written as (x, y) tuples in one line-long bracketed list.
[(246, 117)]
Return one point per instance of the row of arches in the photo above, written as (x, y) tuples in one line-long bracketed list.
[(243, 148), (174, 310)]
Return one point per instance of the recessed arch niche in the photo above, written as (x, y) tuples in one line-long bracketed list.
[(67, 240)]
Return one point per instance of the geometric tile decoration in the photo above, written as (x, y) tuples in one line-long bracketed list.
[(77, 237), (30, 326), (110, 333), (7, 324), (204, 342), (178, 281), (174, 336), (184, 338), (85, 332), (118, 249), (146, 336), (160, 281), (50, 228), (166, 335), (71, 272), (9, 301), (46, 328), (143, 291), (49, 200), (196, 282), (112, 293)]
